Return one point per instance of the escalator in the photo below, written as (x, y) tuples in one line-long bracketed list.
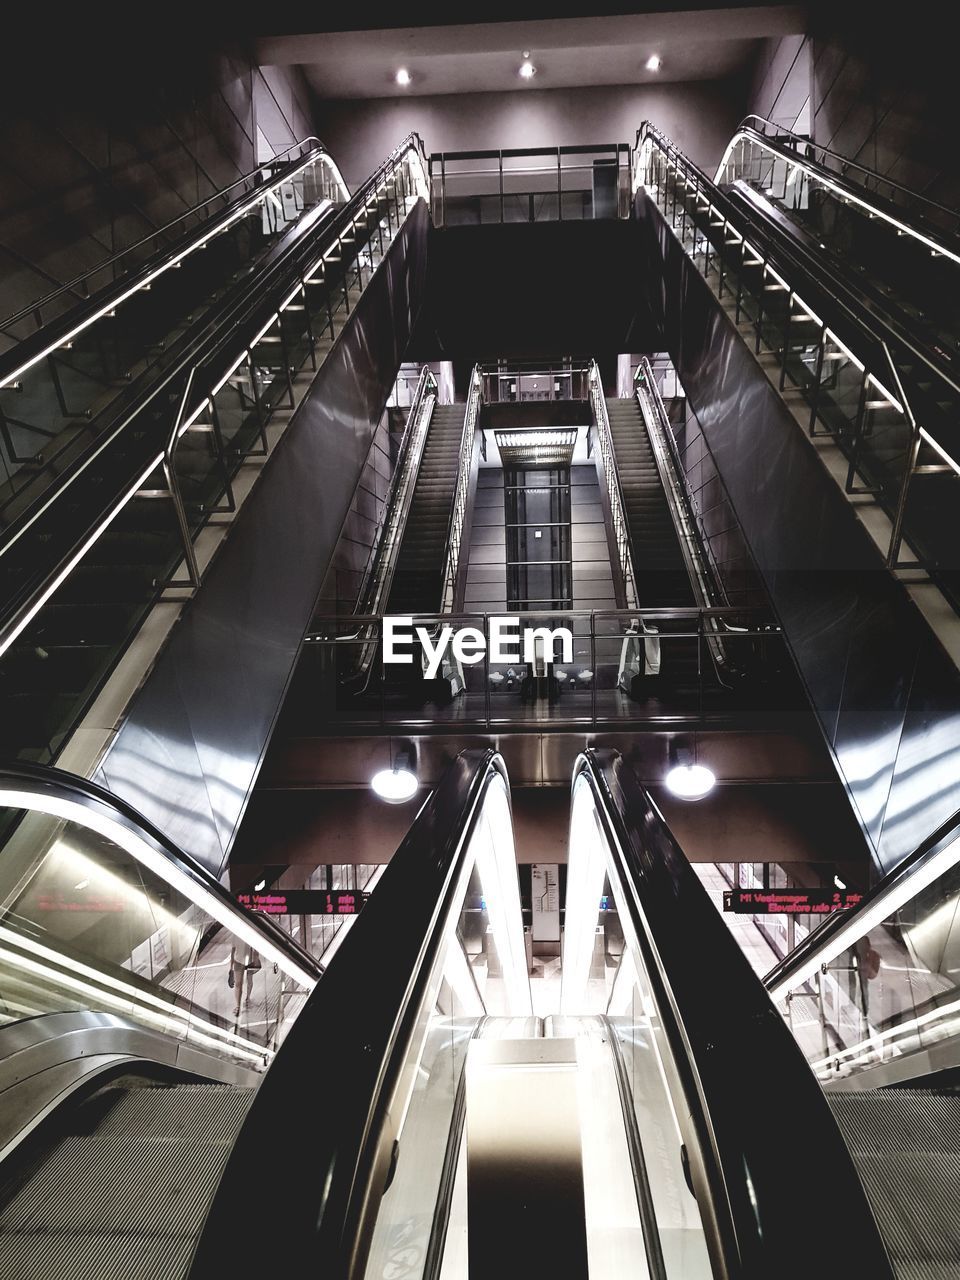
[(108, 527), (871, 997), (659, 570), (855, 356), (417, 585), (139, 1007), (121, 1187), (900, 246), (630, 1124), (60, 384)]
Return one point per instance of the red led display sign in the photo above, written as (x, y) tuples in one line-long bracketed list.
[(304, 902), (775, 902)]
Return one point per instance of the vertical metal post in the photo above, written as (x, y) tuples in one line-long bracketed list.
[(786, 342), (500, 171), (258, 401), (760, 306), (896, 534), (817, 379), (858, 429), (559, 187)]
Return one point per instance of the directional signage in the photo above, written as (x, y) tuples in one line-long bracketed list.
[(304, 902), (803, 902)]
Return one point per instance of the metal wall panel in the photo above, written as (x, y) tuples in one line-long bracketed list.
[(190, 749), (886, 694)]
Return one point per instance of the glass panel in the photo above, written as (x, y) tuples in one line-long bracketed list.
[(87, 926)]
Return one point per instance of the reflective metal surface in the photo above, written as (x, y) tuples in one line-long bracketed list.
[(886, 694), (191, 746)]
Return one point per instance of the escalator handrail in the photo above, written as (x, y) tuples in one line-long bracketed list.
[(254, 301), (747, 130), (56, 786), (737, 1065), (341, 1067), (378, 577), (58, 330), (454, 564), (843, 929)]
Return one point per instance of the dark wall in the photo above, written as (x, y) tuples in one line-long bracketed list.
[(104, 143), (699, 116), (190, 749), (886, 694), (532, 291)]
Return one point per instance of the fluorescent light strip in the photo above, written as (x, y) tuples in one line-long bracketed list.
[(938, 448), (112, 306), (902, 227), (232, 919), (867, 918)]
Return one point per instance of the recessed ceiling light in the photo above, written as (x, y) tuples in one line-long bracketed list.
[(654, 62), (527, 70), (403, 77)]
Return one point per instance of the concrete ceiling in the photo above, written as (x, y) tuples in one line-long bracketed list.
[(701, 44)]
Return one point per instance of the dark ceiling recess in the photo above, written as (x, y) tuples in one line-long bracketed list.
[(532, 291)]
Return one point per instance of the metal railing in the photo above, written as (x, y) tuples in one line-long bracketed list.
[(584, 687), (842, 365), (531, 184), (626, 558), (517, 381), (466, 476), (702, 571)]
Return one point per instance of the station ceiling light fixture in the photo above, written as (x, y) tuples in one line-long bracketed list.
[(398, 784), (686, 778), (654, 62), (527, 69), (404, 77)]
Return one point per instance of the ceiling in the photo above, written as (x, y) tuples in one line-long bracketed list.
[(694, 44)]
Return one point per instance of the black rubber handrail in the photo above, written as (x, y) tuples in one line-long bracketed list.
[(739, 1070), (338, 1073), (58, 784), (92, 302)]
